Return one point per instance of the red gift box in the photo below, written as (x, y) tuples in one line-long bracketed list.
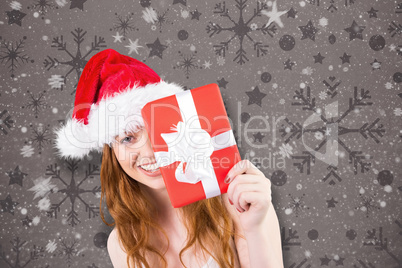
[(193, 143)]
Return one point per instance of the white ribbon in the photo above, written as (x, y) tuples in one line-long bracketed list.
[(194, 146)]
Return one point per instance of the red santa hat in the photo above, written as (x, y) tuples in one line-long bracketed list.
[(110, 94)]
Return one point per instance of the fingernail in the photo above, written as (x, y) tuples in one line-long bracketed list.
[(230, 201), (239, 210), (227, 179)]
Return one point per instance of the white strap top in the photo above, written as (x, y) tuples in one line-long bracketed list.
[(211, 263)]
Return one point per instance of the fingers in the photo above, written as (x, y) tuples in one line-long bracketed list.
[(253, 199), (246, 183), (239, 190), (243, 166)]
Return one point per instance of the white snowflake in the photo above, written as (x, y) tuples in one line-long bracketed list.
[(318, 135), (392, 47), (44, 204), (285, 150), (15, 5), (134, 46), (56, 81), (61, 3), (149, 15), (282, 101), (220, 60), (398, 111), (36, 220), (27, 151), (389, 85), (207, 65), (323, 95), (43, 187), (323, 22), (382, 112), (253, 26), (307, 71), (51, 246), (185, 14)]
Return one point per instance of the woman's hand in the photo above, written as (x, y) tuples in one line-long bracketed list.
[(249, 192)]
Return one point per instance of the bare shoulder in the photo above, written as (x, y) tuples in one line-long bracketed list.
[(116, 253)]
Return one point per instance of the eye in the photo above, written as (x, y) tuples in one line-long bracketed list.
[(128, 139)]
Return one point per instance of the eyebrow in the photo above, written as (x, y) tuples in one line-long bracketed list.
[(128, 134)]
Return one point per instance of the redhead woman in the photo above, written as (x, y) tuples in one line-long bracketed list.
[(237, 229)]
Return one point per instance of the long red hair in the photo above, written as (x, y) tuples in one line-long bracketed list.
[(208, 223)]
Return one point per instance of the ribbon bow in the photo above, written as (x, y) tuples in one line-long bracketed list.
[(193, 147), (190, 146)]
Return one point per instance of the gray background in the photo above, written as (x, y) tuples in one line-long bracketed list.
[(346, 215)]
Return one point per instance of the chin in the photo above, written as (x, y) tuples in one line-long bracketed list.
[(156, 183)]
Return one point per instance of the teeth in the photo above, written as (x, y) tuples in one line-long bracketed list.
[(150, 167)]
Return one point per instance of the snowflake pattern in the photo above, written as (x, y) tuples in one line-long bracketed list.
[(40, 136), (74, 191), (123, 26), (285, 150), (6, 122), (187, 63), (42, 7), (43, 187), (68, 250), (153, 16), (17, 246), (241, 29), (296, 205), (389, 85), (51, 246), (380, 237), (357, 159), (36, 103), (220, 60), (367, 205), (27, 151), (77, 61), (307, 71), (323, 95), (56, 81), (13, 54), (398, 112)]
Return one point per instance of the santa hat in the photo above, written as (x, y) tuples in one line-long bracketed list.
[(110, 94)]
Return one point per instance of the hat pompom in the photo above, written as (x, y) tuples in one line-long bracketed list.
[(70, 140)]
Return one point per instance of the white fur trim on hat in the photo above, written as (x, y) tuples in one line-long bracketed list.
[(112, 116)]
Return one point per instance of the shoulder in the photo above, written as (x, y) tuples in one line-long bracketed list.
[(116, 253)]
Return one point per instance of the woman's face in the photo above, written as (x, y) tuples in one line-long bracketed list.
[(134, 153)]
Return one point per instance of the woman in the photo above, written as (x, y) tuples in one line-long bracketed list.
[(237, 229)]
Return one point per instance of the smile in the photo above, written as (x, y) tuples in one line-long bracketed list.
[(151, 170)]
